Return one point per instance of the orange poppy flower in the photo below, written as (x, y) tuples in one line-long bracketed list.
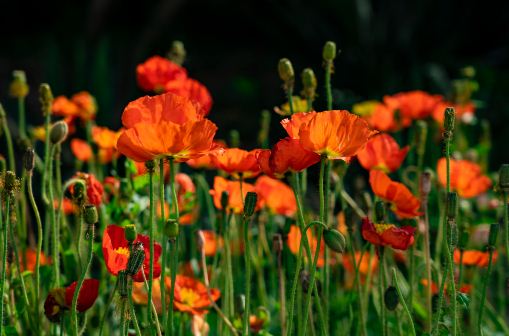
[(336, 134), (191, 295), (207, 161), (292, 126), (164, 126), (465, 288), (364, 265), (154, 74), (95, 189), (466, 177), (105, 138), (400, 238), (235, 199), (64, 107), (67, 206), (380, 117), (413, 105), (293, 241), (194, 90), (82, 105), (463, 112), (81, 150), (116, 253), (286, 155), (404, 204), (474, 258), (236, 161), (28, 262), (382, 152), (276, 196), (211, 242)]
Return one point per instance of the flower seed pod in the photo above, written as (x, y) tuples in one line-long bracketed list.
[(250, 204), (136, 259), (150, 165), (329, 51), (286, 72), (391, 298), (177, 53), (452, 205), (492, 240), (452, 233), (130, 233), (309, 83), (380, 212), (58, 132), (171, 229), (503, 178), (334, 240), (123, 283), (29, 159), (449, 119), (19, 87), (46, 98), (90, 214)]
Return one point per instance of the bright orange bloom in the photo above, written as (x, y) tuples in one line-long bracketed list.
[(463, 111), (81, 150), (293, 125), (466, 177), (287, 155), (106, 140), (191, 295), (236, 161), (64, 107), (404, 204), (194, 90), (293, 241), (413, 104), (164, 126), (336, 134), (155, 73), (28, 262), (382, 152), (400, 238), (82, 105), (380, 117), (474, 258), (211, 242), (207, 161), (235, 199), (364, 264), (276, 196)]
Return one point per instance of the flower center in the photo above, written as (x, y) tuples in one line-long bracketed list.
[(381, 228), (123, 251), (188, 296)]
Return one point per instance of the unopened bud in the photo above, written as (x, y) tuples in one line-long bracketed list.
[(452, 234), (79, 192), (250, 204), (171, 229), (130, 233), (329, 51), (503, 178), (452, 205), (58, 132), (135, 259), (46, 98), (380, 212), (150, 165), (90, 214), (309, 83), (286, 72), (449, 119), (19, 87), (492, 240), (425, 184), (29, 160), (391, 298), (334, 240), (177, 53)]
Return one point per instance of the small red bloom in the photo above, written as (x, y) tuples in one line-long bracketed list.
[(466, 177), (95, 189), (87, 296), (399, 238), (155, 73), (81, 150)]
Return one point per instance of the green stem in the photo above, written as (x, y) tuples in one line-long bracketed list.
[(328, 90), (358, 284), (162, 235), (506, 223), (427, 257), (402, 300), (54, 227), (4, 259), (21, 117), (247, 260), (151, 238), (74, 315), (381, 287), (108, 304), (173, 242), (289, 94), (47, 149), (484, 289), (132, 311), (8, 139)]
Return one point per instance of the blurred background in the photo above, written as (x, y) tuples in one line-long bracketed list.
[(233, 48)]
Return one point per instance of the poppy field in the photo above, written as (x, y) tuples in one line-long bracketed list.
[(380, 217)]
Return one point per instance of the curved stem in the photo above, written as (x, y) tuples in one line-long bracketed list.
[(133, 312), (328, 90), (381, 288), (54, 226), (402, 300), (108, 304)]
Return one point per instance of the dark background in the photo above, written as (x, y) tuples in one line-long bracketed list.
[(234, 46)]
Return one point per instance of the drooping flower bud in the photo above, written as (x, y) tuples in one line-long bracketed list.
[(492, 240), (177, 53), (286, 72), (90, 214), (380, 212), (391, 298), (58, 132), (135, 259), (79, 192), (46, 98), (503, 178), (334, 240), (329, 51), (19, 87), (130, 233), (29, 160), (171, 229), (250, 204)]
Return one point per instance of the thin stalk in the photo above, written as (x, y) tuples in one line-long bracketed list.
[(152, 307), (247, 260), (54, 227), (173, 266), (108, 305), (282, 291), (21, 117), (3, 226), (8, 139), (403, 303), (151, 238), (161, 233), (328, 90), (506, 222), (427, 258), (358, 285), (381, 288), (132, 314), (484, 289)]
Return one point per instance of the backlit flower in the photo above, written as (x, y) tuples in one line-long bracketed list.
[(155, 73), (382, 152), (194, 90), (399, 238), (82, 105), (474, 258), (292, 125), (380, 117), (403, 203), (81, 150), (235, 199), (164, 126), (191, 295), (276, 196), (116, 252), (413, 104), (363, 263), (236, 161), (207, 161), (466, 177)]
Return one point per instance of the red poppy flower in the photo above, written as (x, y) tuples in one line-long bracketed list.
[(194, 90), (86, 297), (81, 150), (474, 258), (235, 199), (191, 295), (64, 107), (95, 189), (155, 73), (276, 196), (382, 152), (399, 238), (236, 161), (286, 155), (413, 105), (404, 204), (466, 177), (116, 252)]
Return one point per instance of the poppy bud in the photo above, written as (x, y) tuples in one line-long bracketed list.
[(492, 240), (452, 233), (58, 132), (503, 178), (240, 304), (334, 240), (46, 98), (150, 165), (277, 243), (123, 283), (135, 259), (449, 118), (171, 229), (11, 182), (224, 200), (380, 212), (29, 159), (130, 233), (90, 214), (250, 204), (78, 191), (421, 134), (425, 184), (452, 205), (391, 298), (286, 72), (309, 82), (329, 51), (463, 241), (177, 53), (18, 87)]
